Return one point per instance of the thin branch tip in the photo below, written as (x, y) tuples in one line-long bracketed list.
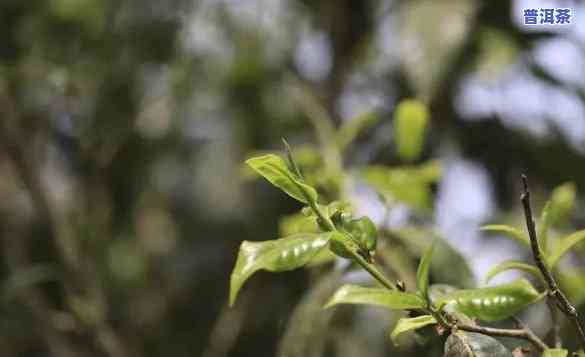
[(525, 183)]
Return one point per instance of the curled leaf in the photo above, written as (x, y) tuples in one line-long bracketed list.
[(508, 231), (513, 265), (408, 324), (390, 299), (275, 256), (274, 169), (492, 303)]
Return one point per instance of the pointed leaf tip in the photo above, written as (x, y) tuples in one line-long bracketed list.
[(275, 170)]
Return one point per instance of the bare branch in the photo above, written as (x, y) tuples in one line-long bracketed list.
[(553, 289), (523, 333)]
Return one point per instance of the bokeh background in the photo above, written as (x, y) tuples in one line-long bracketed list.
[(124, 126)]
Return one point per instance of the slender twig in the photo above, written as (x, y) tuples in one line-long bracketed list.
[(553, 289), (523, 333)]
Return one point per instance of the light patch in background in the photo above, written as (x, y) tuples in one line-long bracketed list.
[(521, 101), (313, 56), (388, 45), (464, 203), (367, 203), (355, 102), (562, 59), (567, 113)]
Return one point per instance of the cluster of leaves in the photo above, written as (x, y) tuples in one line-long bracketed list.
[(324, 231)]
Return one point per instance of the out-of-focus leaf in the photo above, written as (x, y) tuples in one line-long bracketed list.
[(493, 303), (410, 123), (422, 273), (276, 256), (410, 185), (447, 266), (471, 344), (544, 225), (350, 130), (513, 265), (572, 282), (555, 352), (390, 299), (297, 223), (24, 279), (562, 202), (307, 330), (563, 246), (409, 324), (274, 169), (508, 231)]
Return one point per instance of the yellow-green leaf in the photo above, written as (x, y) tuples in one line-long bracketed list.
[(274, 169), (408, 324), (410, 185), (562, 201), (410, 124), (513, 265), (563, 246), (555, 352), (390, 299), (422, 273), (492, 303), (275, 256), (508, 231)]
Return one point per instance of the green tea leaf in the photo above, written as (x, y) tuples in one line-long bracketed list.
[(275, 256), (493, 303), (513, 265), (409, 324), (390, 299), (555, 352), (410, 124), (350, 130), (291, 160), (563, 246), (275, 170), (508, 231), (422, 273)]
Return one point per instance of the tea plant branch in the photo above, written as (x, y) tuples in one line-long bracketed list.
[(521, 333), (553, 289)]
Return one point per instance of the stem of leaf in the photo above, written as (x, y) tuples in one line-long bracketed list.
[(374, 272)]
